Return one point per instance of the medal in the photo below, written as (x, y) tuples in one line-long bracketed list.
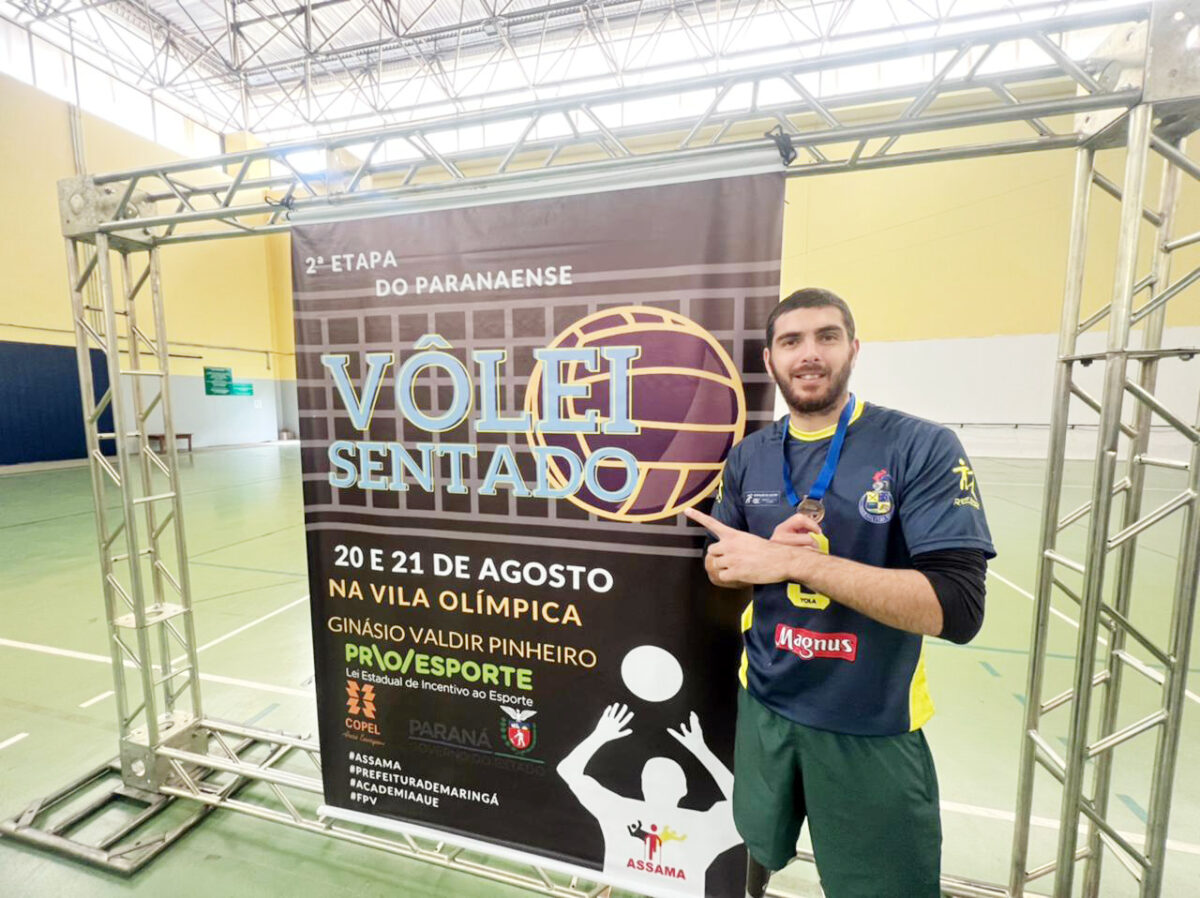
[(814, 508), (811, 504)]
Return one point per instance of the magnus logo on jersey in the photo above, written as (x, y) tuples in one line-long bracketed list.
[(761, 497), (807, 644)]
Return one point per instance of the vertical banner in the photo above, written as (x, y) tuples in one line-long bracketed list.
[(504, 411)]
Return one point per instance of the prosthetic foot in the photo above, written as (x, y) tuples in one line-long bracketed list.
[(757, 877)]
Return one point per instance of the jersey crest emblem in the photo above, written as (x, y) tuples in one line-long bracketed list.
[(877, 505)]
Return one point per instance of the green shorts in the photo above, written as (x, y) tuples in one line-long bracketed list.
[(871, 804)]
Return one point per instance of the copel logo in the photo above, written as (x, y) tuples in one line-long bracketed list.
[(360, 700), (807, 644)]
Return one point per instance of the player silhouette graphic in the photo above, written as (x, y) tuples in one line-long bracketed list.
[(677, 844)]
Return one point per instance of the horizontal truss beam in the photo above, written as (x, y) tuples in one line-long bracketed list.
[(590, 136)]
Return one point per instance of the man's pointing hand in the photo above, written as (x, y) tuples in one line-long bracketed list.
[(741, 558)]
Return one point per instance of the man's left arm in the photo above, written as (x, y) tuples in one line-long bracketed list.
[(904, 599), (941, 596)]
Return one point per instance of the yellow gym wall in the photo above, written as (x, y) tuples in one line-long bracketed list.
[(216, 292), (968, 248)]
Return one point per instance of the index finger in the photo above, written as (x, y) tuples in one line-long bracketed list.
[(709, 523)]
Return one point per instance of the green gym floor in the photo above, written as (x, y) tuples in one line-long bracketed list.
[(245, 534)]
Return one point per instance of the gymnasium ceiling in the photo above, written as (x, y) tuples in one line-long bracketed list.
[(300, 68)]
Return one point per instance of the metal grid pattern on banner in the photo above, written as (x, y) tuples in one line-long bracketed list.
[(168, 748)]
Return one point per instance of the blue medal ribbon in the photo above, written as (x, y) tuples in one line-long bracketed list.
[(825, 478)]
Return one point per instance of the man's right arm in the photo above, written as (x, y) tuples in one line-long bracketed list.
[(727, 508)]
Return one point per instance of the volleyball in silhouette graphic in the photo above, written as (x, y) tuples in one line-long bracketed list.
[(686, 399)]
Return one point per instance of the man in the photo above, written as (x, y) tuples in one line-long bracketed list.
[(862, 532)]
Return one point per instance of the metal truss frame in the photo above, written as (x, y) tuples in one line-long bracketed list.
[(233, 194), (1109, 637), (143, 549), (169, 749)]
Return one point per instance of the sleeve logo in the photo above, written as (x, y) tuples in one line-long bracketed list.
[(966, 484)]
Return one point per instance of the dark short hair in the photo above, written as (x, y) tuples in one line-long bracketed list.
[(810, 298)]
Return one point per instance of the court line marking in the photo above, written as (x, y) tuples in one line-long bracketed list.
[(261, 687), (194, 555), (99, 698), (253, 623), (1060, 615), (12, 740), (211, 678), (972, 810), (50, 650), (258, 570), (1191, 696), (250, 684)]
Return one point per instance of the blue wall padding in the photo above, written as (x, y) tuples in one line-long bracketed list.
[(41, 414)]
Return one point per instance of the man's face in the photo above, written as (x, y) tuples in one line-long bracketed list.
[(810, 358)]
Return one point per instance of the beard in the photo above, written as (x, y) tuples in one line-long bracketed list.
[(839, 380)]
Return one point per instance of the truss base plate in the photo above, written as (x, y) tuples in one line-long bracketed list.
[(100, 821)]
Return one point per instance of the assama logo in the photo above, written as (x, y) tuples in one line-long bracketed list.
[(654, 841)]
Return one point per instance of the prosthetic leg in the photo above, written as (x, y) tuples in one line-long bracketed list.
[(757, 877)]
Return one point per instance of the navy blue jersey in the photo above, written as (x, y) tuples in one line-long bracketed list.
[(903, 486)]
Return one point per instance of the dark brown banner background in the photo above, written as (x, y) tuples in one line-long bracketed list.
[(704, 253)]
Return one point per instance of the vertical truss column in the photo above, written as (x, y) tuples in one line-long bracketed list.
[(1093, 738), (1135, 478), (1033, 748), (144, 573), (1103, 478)]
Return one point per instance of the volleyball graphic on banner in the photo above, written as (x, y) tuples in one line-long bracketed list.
[(686, 404)]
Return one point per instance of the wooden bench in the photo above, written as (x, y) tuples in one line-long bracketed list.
[(160, 440)]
